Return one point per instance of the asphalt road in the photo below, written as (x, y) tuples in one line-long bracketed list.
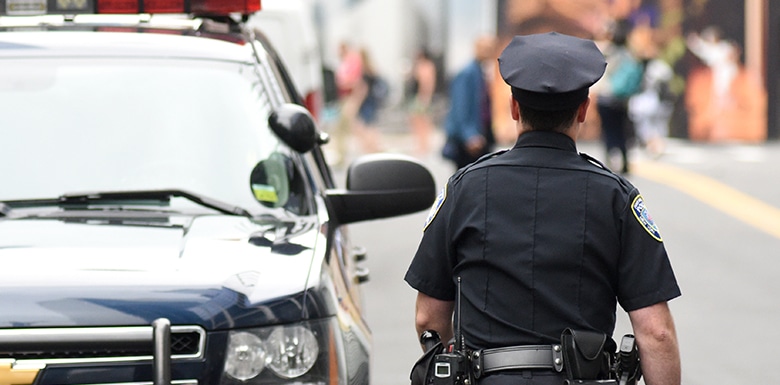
[(717, 207)]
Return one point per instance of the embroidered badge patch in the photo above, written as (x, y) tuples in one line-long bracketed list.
[(436, 206), (644, 218)]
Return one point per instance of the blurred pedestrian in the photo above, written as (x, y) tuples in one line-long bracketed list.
[(623, 79), (651, 109), (423, 87), (350, 69), (348, 76), (469, 126), (369, 94)]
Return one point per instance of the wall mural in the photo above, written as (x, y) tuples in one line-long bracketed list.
[(696, 86)]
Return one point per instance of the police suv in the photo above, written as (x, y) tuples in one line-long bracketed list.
[(167, 215)]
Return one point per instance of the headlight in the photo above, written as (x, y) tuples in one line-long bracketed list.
[(292, 351), (302, 351), (245, 356)]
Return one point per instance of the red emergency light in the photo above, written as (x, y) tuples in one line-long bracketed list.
[(196, 7), (199, 7)]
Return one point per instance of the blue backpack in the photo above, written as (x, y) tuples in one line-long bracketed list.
[(627, 78)]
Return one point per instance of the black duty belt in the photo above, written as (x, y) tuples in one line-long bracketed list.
[(517, 357)]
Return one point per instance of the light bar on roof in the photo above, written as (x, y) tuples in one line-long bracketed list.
[(73, 7)]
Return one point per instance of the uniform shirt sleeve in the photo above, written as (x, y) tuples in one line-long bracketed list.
[(430, 271), (645, 274)]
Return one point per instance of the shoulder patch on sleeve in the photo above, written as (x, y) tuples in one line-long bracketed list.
[(436, 206), (643, 216)]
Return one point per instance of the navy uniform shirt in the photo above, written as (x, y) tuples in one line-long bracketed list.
[(543, 239)]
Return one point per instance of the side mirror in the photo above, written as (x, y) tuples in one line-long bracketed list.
[(294, 125), (382, 186)]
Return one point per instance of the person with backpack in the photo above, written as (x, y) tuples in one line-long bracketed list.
[(622, 79)]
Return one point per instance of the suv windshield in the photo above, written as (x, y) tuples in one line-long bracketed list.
[(113, 124)]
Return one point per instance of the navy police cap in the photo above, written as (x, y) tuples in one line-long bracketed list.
[(551, 71)]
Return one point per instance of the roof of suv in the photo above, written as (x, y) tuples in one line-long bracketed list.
[(82, 44), (185, 38)]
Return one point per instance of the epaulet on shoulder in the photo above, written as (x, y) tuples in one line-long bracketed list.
[(594, 161), (459, 174), (601, 168)]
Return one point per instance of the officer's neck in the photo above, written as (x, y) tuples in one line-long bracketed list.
[(572, 132)]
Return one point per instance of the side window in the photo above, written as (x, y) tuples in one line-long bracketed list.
[(282, 179)]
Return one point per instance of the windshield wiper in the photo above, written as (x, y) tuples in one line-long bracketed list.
[(108, 197)]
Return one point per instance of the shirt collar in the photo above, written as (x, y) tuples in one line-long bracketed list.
[(547, 139)]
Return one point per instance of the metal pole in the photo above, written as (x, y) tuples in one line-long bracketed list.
[(161, 361)]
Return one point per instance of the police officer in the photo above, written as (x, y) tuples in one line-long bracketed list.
[(542, 237)]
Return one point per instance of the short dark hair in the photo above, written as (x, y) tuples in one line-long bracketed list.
[(557, 121), (620, 32)]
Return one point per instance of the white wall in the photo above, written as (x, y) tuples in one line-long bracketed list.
[(468, 20), (378, 25), (394, 29)]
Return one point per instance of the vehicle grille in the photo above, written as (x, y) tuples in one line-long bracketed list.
[(78, 344)]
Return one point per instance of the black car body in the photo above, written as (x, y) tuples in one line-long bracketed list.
[(160, 170)]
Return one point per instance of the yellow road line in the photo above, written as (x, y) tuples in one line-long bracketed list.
[(739, 205)]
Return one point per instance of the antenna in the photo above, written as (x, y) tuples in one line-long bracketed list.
[(459, 343)]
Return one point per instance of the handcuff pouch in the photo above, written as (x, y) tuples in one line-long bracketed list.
[(587, 355)]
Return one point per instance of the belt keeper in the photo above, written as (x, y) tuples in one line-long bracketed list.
[(557, 353), (476, 364)]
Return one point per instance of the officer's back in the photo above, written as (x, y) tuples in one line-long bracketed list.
[(544, 240), (542, 261)]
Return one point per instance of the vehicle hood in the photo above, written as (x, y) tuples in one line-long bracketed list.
[(214, 271)]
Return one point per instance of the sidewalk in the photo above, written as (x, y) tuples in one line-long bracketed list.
[(395, 137)]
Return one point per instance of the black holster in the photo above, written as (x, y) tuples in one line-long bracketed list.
[(587, 356), (422, 371)]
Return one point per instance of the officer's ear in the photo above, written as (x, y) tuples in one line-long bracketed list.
[(582, 110), (515, 107)]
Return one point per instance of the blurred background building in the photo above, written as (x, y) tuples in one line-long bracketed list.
[(393, 30)]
